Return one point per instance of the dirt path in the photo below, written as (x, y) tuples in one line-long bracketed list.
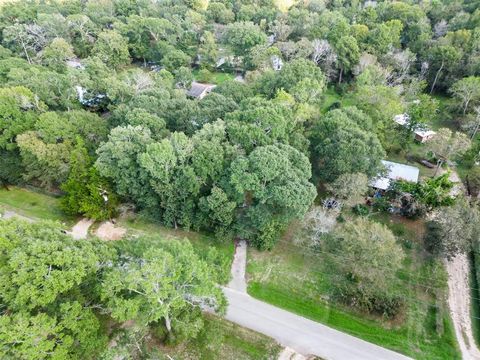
[(10, 214), (290, 354), (458, 270), (80, 229), (239, 263), (459, 303)]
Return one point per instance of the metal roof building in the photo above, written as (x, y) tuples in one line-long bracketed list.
[(395, 171)]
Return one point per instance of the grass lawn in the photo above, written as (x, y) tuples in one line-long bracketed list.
[(32, 204), (475, 294), (217, 77), (139, 225), (330, 96), (290, 278), (226, 341)]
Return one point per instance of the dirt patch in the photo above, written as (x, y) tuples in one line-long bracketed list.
[(80, 230), (108, 231), (459, 302)]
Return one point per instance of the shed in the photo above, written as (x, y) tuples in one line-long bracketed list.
[(199, 90), (424, 135), (401, 119), (395, 171)]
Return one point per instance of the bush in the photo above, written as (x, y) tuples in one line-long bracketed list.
[(387, 305), (361, 210), (205, 76)]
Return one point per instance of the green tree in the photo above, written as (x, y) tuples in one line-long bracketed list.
[(242, 36), (340, 146), (273, 184), (368, 279), (17, 114), (174, 59), (218, 213), (56, 54), (87, 193), (348, 54), (219, 13), (467, 91), (208, 50), (112, 49), (44, 273), (442, 57), (44, 162), (162, 285), (118, 161), (259, 122)]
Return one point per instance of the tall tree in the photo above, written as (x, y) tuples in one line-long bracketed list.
[(162, 285), (112, 49), (467, 90), (341, 146), (368, 278), (273, 184), (118, 161)]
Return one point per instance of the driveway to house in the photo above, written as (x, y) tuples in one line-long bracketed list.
[(301, 335)]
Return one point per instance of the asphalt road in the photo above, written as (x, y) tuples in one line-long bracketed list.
[(304, 336)]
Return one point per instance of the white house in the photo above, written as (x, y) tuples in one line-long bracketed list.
[(395, 171)]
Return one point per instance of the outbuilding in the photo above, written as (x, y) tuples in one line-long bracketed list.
[(395, 171), (424, 135), (199, 90)]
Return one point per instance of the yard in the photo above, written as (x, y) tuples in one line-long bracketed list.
[(217, 77), (226, 341), (295, 280), (32, 204)]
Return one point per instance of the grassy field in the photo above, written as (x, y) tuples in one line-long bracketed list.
[(32, 204), (226, 341), (290, 278), (136, 225), (217, 77)]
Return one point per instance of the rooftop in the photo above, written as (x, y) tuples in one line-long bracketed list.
[(198, 89), (395, 171)]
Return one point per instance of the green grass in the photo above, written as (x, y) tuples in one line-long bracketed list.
[(137, 224), (224, 340), (475, 294), (217, 77), (292, 279), (330, 96), (32, 204)]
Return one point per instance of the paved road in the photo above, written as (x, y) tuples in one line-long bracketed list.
[(303, 335)]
